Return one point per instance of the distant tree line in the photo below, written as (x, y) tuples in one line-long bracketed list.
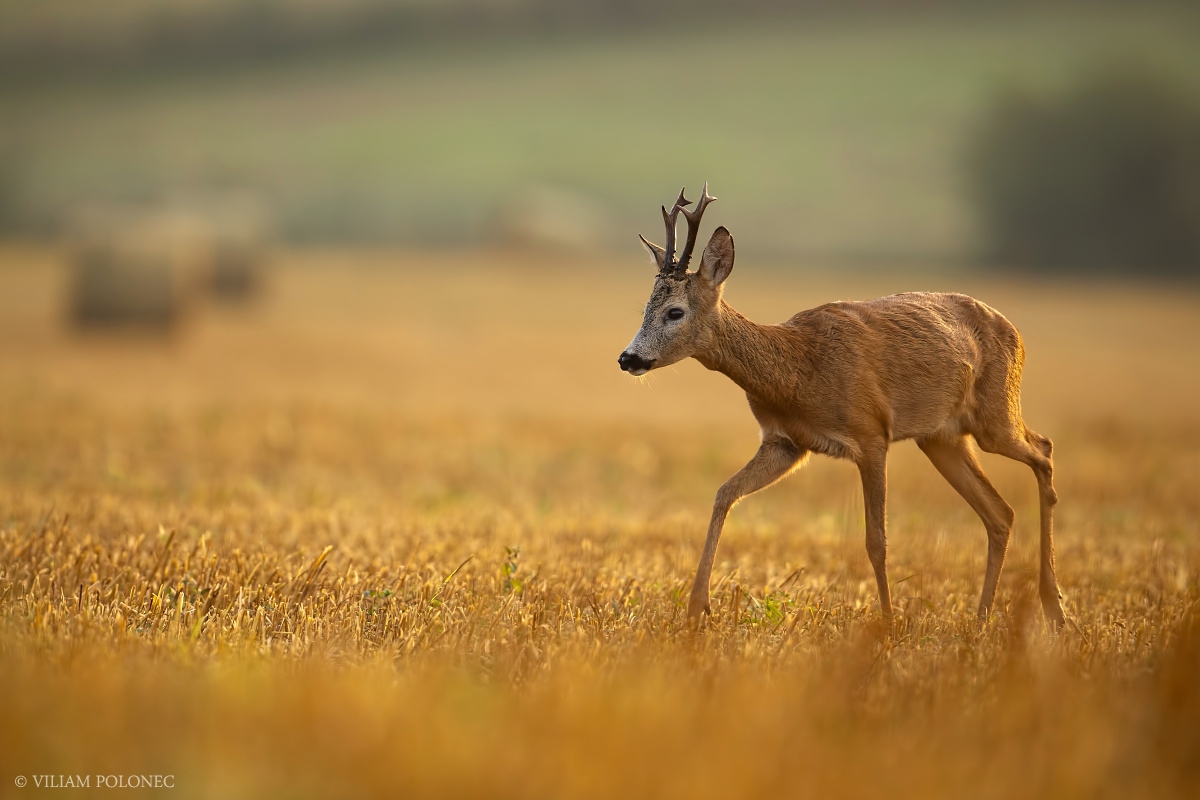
[(221, 31), (66, 38)]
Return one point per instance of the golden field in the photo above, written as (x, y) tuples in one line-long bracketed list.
[(402, 529)]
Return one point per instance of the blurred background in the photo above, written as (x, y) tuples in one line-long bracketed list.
[(1055, 135), (399, 177)]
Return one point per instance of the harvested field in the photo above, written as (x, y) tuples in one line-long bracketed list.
[(403, 529)]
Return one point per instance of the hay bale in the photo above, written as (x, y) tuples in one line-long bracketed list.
[(552, 219), (240, 244), (139, 269)]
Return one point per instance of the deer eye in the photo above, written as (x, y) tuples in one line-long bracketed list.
[(675, 313)]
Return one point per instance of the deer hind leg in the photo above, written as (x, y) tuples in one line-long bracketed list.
[(873, 469), (775, 458), (1036, 451), (956, 461)]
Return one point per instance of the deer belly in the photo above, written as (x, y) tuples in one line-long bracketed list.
[(939, 405)]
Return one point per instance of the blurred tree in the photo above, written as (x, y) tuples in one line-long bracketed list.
[(1104, 176)]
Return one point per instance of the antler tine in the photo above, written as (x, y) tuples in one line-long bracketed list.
[(669, 218), (693, 221)]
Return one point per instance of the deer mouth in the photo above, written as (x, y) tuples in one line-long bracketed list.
[(634, 364)]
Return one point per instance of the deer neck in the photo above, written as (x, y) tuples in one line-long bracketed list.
[(746, 352)]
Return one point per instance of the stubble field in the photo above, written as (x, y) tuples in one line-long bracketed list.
[(402, 529)]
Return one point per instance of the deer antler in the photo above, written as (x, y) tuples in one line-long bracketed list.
[(693, 221), (669, 218), (671, 266)]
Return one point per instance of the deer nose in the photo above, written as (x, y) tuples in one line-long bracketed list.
[(632, 361)]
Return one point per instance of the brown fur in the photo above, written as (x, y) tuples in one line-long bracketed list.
[(847, 379)]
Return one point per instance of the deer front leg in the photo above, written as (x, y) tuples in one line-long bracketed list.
[(775, 458), (873, 468)]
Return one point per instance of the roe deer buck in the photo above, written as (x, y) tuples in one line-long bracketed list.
[(846, 379)]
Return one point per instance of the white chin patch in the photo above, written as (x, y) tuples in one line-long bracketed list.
[(639, 372)]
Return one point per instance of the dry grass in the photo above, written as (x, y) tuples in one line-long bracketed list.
[(407, 532)]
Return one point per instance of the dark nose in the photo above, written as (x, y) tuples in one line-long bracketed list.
[(631, 361)]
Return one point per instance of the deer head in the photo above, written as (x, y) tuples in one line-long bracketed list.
[(683, 306)]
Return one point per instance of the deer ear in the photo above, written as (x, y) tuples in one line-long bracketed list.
[(717, 260), (657, 254)]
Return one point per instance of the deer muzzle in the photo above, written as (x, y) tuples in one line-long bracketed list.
[(634, 364)]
